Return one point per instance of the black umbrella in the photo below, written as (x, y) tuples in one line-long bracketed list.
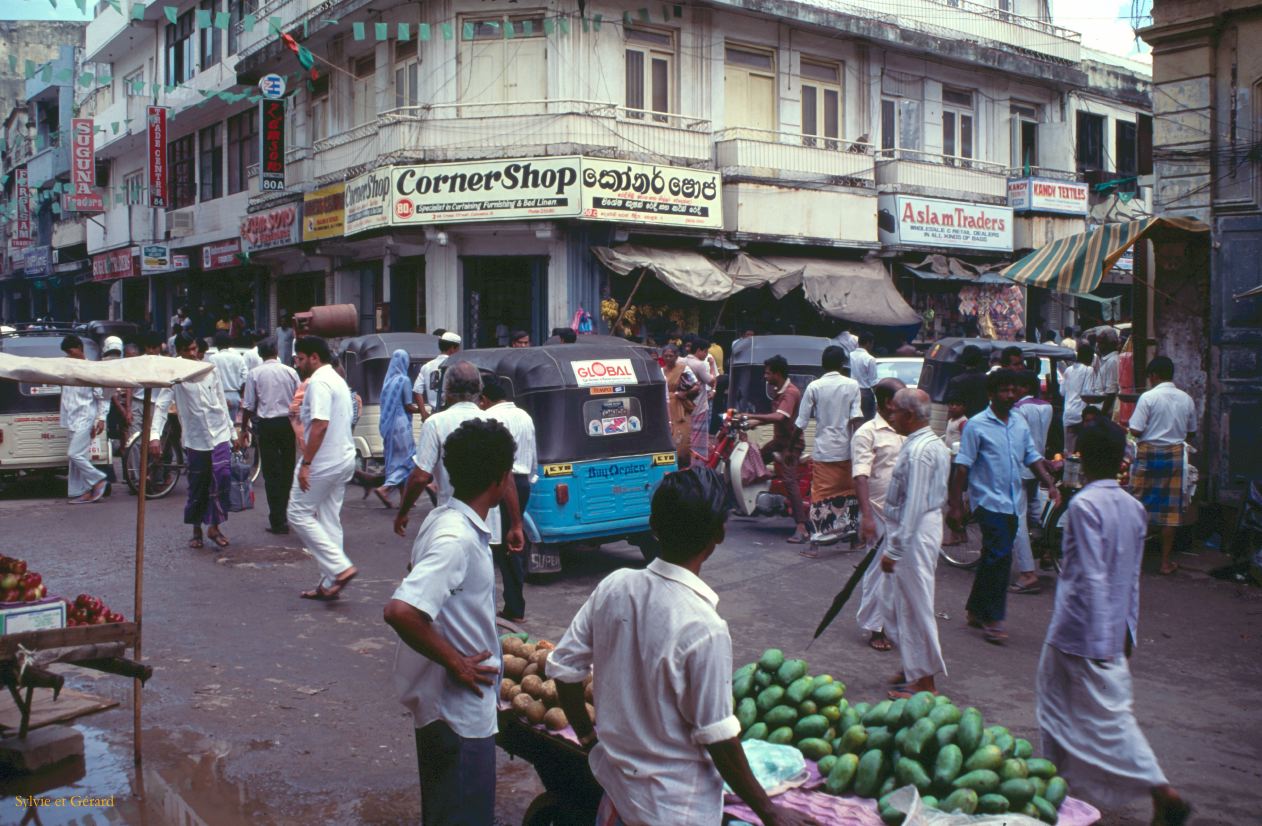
[(840, 600)]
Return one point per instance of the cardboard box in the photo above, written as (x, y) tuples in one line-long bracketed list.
[(46, 614)]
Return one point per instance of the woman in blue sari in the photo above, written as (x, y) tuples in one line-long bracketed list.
[(395, 425)]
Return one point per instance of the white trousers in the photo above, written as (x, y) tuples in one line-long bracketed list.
[(1031, 513), (912, 625), (316, 516), (83, 476), (876, 599)]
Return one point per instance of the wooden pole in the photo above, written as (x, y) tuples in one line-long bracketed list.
[(643, 272), (146, 424)]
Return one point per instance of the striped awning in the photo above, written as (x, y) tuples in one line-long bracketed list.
[(1078, 263)]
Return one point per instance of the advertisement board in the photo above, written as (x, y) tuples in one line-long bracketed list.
[(276, 227), (324, 213), (156, 152), (649, 194), (113, 264), (1041, 195), (271, 145), (221, 255), (37, 262), (928, 222), (530, 188), (82, 197), (155, 258), (367, 201), (22, 225), (600, 372)]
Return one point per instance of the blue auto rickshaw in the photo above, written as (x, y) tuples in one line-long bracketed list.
[(603, 440)]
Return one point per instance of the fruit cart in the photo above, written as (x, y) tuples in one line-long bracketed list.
[(24, 656), (572, 795)]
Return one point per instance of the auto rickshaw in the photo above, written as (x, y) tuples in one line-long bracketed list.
[(602, 435), (746, 389), (365, 360), (942, 364)]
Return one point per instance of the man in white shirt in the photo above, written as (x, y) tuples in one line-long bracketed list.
[(1164, 418), (1078, 381), (1038, 418), (206, 432), (328, 463), (269, 390), (1107, 379), (875, 448), (231, 368), (447, 664), (668, 738), (425, 389), (521, 427), (833, 401), (1083, 686), (863, 370), (83, 412), (462, 389)]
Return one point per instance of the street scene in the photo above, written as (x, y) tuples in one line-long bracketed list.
[(726, 413)]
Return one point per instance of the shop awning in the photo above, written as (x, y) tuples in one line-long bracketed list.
[(858, 291), (1078, 263), (980, 278), (748, 271), (141, 371), (684, 271)]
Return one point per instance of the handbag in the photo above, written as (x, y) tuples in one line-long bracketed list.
[(240, 487)]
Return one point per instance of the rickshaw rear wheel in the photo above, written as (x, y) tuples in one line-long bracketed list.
[(544, 810)]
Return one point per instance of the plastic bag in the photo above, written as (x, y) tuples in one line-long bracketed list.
[(753, 469), (776, 768), (1072, 813), (240, 486)]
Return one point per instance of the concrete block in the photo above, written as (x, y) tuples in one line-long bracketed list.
[(42, 748)]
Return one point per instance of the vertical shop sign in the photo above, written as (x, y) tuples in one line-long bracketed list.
[(22, 228), (157, 166), (82, 197), (272, 150)]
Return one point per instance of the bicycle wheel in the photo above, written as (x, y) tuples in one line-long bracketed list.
[(164, 472), (131, 464), (1053, 533), (968, 553)]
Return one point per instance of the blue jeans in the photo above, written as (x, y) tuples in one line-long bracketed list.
[(457, 777), (988, 601)]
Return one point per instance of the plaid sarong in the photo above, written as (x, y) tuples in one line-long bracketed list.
[(1157, 482)]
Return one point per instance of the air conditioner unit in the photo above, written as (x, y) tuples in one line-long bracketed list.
[(180, 223)]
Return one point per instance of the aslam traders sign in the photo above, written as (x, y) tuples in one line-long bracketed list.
[(909, 220), (22, 226), (272, 145), (277, 227), (367, 202), (1042, 195), (156, 150), (82, 197)]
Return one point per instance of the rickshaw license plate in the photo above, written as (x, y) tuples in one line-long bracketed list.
[(660, 459), (565, 469)]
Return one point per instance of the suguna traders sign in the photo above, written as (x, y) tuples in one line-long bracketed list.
[(367, 202), (906, 220)]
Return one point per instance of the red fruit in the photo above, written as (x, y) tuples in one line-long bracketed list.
[(96, 606), (31, 579), (71, 623), (81, 601), (43, 590), (11, 595), (80, 615), (18, 567), (99, 619), (8, 581), (31, 595), (115, 616)]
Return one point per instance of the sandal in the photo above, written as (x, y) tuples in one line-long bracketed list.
[(994, 635), (1167, 570), (196, 543), (323, 594), (1018, 588), (218, 538), (385, 500), (798, 540), (880, 644)]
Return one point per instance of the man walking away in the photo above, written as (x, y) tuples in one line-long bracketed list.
[(1037, 414), (83, 412), (425, 390), (668, 734), (863, 370), (269, 390), (521, 427), (447, 664), (875, 448), (786, 445), (994, 448), (833, 401), (1083, 689), (913, 507), (1164, 419), (1078, 381), (206, 432), (328, 463), (1107, 377), (969, 387), (285, 339), (232, 373)]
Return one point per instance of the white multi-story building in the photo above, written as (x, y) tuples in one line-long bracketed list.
[(475, 165)]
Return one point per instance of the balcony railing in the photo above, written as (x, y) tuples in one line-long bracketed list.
[(931, 173), (790, 154)]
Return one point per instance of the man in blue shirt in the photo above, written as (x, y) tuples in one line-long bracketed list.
[(995, 447)]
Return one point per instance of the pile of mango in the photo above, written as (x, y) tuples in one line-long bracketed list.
[(953, 759), (532, 697)]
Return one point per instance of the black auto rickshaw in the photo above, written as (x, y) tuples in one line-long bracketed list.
[(365, 360), (98, 331), (942, 364), (602, 436), (747, 390)]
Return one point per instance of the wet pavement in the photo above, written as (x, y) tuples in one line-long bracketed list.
[(265, 708)]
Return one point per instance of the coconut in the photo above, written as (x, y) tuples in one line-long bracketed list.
[(544, 644), (532, 685), (536, 712), (514, 667), (514, 691), (549, 693), (540, 658), (506, 686), (521, 703), (528, 650), (512, 645), (555, 719), (530, 669)]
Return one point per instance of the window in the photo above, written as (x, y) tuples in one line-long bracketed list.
[(237, 10), (1127, 147), (749, 79), (243, 149), (1143, 127), (821, 102), (209, 36), (957, 123), (1090, 141), (102, 175), (134, 187), (179, 36), (498, 69), (1024, 137), (210, 161), (183, 182), (407, 75), (650, 68), (900, 123), (134, 83), (363, 93), (320, 109)]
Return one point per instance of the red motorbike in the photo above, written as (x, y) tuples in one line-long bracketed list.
[(755, 491)]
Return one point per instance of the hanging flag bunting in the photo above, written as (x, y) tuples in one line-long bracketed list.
[(304, 55)]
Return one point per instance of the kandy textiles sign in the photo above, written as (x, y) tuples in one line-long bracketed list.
[(278, 227), (928, 222), (271, 145), (598, 372), (22, 226), (649, 194), (82, 197), (1040, 195), (367, 202), (156, 151), (113, 264), (324, 213)]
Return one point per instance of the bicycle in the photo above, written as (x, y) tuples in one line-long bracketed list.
[(166, 469)]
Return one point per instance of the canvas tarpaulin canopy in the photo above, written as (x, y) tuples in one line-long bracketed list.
[(684, 271), (858, 291), (141, 371), (1078, 263)]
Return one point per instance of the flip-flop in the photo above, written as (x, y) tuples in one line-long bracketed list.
[(385, 500), (1164, 571), (219, 539), (797, 540), (1018, 588), (880, 644), (196, 543), (995, 636), (320, 594)]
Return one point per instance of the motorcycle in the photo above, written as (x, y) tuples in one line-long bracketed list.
[(755, 490)]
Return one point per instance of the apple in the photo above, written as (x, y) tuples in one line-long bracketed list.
[(43, 590), (8, 581), (115, 616), (31, 579), (81, 601), (18, 567), (11, 595), (99, 619), (31, 595)]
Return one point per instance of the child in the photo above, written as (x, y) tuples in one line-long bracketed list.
[(954, 432)]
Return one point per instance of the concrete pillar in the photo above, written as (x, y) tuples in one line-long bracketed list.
[(444, 287)]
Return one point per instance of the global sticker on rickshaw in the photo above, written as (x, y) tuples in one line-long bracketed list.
[(601, 372)]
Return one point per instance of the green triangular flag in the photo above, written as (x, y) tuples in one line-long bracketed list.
[(448, 31), (644, 15), (597, 19), (274, 23), (223, 20), (564, 23), (64, 75), (626, 18), (138, 11), (548, 26), (171, 12), (247, 22), (116, 5), (357, 30), (203, 18), (422, 31), (382, 31), (29, 69), (86, 79), (528, 27), (468, 31), (405, 32)]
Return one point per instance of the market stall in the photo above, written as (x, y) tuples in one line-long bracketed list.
[(46, 629)]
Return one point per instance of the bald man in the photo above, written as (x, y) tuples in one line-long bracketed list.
[(913, 514), (874, 450)]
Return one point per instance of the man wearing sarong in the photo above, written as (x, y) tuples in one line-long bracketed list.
[(1164, 418), (207, 436), (682, 389), (913, 511), (875, 448), (787, 444), (1083, 688), (833, 400)]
